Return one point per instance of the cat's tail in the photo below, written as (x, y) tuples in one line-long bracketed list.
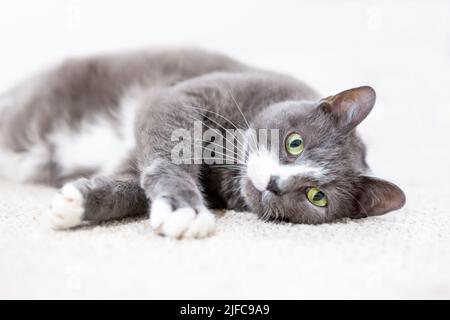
[(10, 160), (5, 102), (8, 100), (6, 158), (17, 95)]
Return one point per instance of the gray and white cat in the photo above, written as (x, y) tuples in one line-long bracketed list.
[(101, 128)]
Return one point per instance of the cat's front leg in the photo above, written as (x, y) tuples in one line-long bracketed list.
[(177, 209), (95, 200)]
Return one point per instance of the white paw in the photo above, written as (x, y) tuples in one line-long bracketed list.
[(67, 208), (181, 223)]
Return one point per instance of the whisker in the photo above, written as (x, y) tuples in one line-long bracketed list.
[(218, 114), (212, 129), (243, 146), (216, 144), (242, 113)]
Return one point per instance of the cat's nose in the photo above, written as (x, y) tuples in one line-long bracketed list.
[(273, 185)]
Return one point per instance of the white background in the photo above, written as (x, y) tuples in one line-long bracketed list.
[(402, 49)]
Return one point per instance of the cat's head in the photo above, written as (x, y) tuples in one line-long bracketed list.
[(318, 173)]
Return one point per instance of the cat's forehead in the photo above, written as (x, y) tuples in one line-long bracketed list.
[(293, 115), (292, 108), (301, 117)]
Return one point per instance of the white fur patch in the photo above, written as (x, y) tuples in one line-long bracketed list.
[(202, 226), (180, 223), (67, 208), (262, 165), (99, 144)]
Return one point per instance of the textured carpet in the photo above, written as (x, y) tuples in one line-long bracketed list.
[(401, 255)]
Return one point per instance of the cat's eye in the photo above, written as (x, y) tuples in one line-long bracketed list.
[(294, 144), (316, 197)]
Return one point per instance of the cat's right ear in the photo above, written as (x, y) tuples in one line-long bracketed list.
[(349, 107), (377, 196)]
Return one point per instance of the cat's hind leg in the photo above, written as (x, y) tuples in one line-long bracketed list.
[(95, 200)]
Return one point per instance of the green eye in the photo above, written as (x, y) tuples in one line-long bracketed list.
[(294, 144), (316, 197)]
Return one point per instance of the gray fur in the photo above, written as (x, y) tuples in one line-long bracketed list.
[(220, 89)]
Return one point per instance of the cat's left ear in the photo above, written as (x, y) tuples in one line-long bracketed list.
[(377, 196), (349, 107)]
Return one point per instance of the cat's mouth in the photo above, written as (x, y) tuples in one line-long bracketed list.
[(265, 203), (272, 204)]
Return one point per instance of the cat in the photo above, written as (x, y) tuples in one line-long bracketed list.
[(101, 129)]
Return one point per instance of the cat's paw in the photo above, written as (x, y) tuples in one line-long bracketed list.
[(67, 208), (181, 223)]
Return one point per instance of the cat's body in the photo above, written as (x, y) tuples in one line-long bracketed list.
[(54, 116), (113, 117)]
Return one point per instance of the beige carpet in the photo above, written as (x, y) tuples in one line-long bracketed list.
[(402, 255)]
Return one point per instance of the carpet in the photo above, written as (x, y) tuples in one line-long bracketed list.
[(405, 254)]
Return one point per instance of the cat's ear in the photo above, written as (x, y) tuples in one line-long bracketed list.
[(377, 196), (349, 107)]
